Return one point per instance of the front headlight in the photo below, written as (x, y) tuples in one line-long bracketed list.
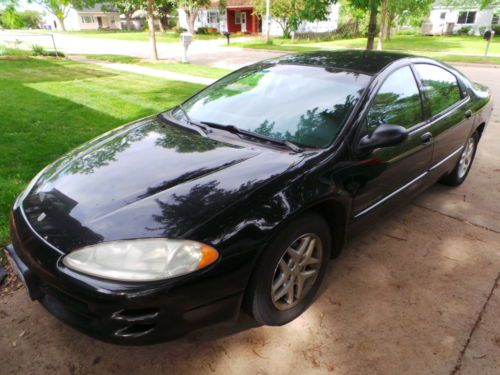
[(141, 260)]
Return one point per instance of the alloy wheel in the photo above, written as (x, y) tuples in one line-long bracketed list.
[(466, 157), (297, 271)]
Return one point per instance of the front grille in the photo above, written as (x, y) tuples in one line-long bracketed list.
[(76, 306), (141, 321)]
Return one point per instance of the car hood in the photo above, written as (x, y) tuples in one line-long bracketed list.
[(147, 179)]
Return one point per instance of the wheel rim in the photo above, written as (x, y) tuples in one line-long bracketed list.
[(466, 158), (297, 271)]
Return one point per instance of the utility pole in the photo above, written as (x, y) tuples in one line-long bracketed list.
[(268, 20)]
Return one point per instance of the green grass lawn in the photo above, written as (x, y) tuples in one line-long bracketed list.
[(451, 44), (50, 106), (452, 48), (170, 66)]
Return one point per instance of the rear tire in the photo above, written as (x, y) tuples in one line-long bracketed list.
[(290, 271), (464, 164)]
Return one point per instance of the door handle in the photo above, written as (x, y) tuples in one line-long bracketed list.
[(426, 138), (468, 113)]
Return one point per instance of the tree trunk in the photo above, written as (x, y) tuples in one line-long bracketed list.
[(372, 27), (191, 18), (151, 25), (390, 18), (127, 21), (61, 22), (162, 29), (383, 17)]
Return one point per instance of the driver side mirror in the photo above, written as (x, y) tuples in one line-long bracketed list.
[(383, 136)]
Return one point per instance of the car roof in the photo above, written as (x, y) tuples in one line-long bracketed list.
[(363, 61)]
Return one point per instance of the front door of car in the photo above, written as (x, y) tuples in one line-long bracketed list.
[(385, 175), (451, 120)]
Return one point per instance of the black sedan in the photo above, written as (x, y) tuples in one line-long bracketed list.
[(240, 195)]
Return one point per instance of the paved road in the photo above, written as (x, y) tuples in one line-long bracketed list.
[(207, 52), (416, 294)]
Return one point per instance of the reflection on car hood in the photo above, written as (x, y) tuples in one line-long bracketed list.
[(147, 179)]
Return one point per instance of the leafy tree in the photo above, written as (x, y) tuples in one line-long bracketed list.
[(289, 14), (350, 15), (401, 12), (164, 8), (191, 8), (61, 8), (30, 19), (9, 18), (481, 4), (391, 11), (370, 6), (125, 7)]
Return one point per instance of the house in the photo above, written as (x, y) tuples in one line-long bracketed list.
[(238, 17), (137, 21), (447, 19), (98, 17)]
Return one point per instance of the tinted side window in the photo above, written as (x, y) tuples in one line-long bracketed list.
[(441, 87), (397, 102)]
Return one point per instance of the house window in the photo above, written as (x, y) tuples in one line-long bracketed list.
[(87, 19), (442, 15), (212, 17), (240, 17), (467, 17), (495, 20)]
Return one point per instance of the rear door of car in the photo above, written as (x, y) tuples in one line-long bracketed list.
[(449, 117), (386, 175)]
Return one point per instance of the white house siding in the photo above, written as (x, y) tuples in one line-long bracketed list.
[(439, 26), (74, 21), (275, 30), (202, 20)]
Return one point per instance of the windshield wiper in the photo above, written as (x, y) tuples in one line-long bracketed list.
[(235, 130), (191, 122)]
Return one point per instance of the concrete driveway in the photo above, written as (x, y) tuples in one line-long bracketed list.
[(416, 294)]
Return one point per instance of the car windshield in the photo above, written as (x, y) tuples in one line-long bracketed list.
[(306, 105)]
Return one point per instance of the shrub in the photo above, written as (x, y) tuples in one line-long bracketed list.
[(347, 30), (179, 30), (38, 50), (465, 30), (496, 29), (202, 30)]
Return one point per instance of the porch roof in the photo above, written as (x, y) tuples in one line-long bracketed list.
[(233, 4)]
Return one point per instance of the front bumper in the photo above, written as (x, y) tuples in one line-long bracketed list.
[(117, 312)]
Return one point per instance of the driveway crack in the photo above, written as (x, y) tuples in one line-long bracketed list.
[(456, 218), (458, 365)]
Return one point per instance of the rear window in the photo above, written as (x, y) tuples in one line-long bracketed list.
[(306, 105), (440, 86)]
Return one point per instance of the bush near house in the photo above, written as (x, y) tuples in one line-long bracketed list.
[(206, 30), (465, 30)]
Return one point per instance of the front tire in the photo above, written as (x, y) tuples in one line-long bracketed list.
[(290, 271), (461, 170)]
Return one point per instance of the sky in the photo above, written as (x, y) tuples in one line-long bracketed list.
[(24, 5)]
